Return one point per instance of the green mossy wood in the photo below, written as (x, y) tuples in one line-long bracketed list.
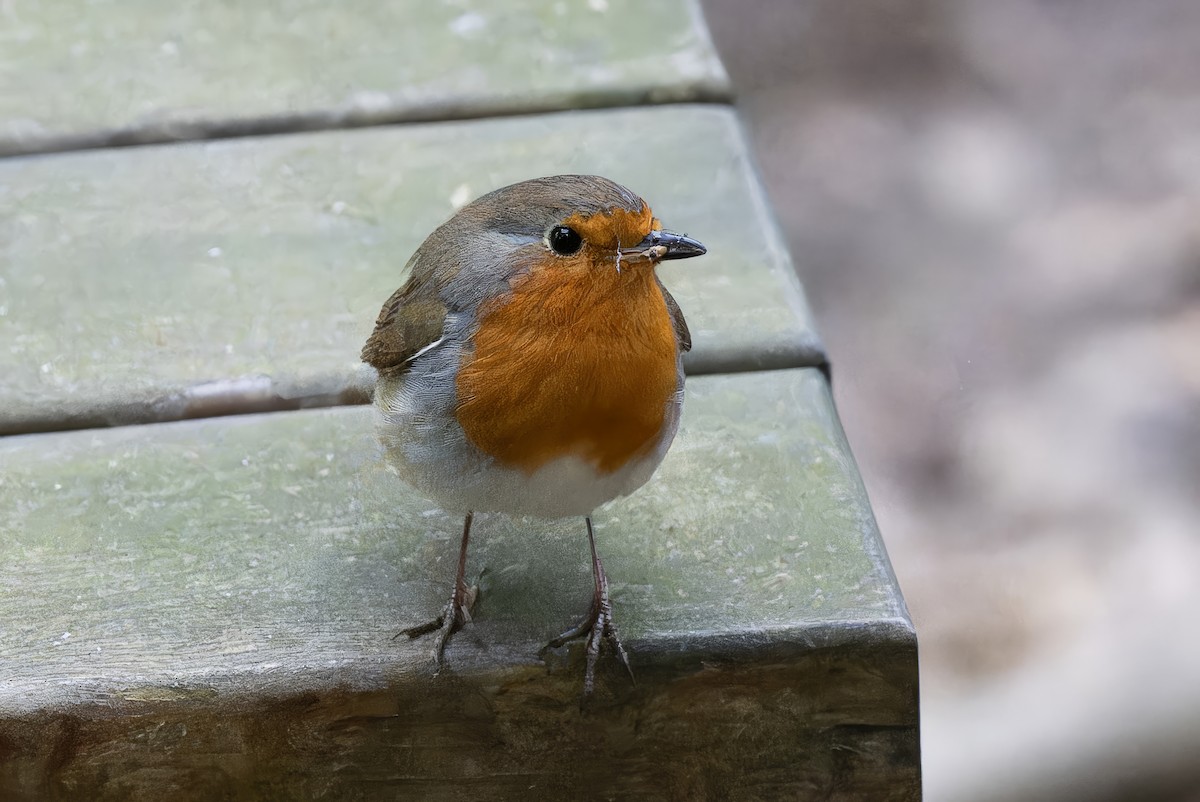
[(77, 75), (204, 609), (188, 280), (183, 583)]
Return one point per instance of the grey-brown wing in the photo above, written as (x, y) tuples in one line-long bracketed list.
[(410, 320), (682, 336)]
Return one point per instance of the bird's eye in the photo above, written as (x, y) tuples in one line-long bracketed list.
[(564, 241)]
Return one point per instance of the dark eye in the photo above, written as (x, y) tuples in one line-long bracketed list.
[(564, 241)]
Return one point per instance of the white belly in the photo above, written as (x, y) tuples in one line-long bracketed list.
[(565, 487), (429, 450)]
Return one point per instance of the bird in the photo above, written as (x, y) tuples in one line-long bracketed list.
[(531, 364)]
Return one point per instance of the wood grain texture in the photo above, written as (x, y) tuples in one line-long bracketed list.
[(835, 723), (208, 606), (207, 278), (77, 75)]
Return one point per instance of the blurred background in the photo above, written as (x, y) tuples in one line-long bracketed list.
[(995, 208)]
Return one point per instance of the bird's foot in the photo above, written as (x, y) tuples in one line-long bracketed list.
[(454, 617), (597, 627)]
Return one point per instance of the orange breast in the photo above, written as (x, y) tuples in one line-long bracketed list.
[(570, 367)]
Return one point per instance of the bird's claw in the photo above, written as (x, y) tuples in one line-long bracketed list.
[(598, 628), (454, 617)]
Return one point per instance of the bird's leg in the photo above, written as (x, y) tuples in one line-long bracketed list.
[(458, 610), (598, 624)]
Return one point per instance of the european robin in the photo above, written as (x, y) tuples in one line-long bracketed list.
[(532, 364)]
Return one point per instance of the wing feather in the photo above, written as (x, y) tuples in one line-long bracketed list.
[(683, 337), (411, 320)]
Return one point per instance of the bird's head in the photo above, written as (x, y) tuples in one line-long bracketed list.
[(569, 228)]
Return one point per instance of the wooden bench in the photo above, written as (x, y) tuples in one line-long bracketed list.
[(204, 608)]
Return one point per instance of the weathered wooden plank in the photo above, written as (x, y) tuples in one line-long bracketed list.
[(207, 605), (76, 75), (188, 280)]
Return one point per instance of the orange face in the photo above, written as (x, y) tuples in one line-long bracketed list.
[(580, 359), (606, 233)]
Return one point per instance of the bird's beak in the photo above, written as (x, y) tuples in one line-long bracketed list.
[(661, 245)]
